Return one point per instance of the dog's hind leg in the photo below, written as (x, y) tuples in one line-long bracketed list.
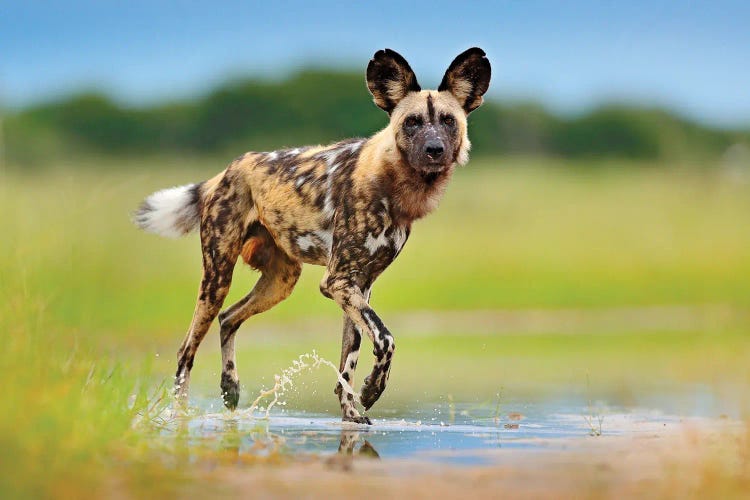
[(217, 277), (279, 275), (221, 238)]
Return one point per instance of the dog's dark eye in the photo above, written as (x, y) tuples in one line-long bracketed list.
[(412, 122), (449, 121)]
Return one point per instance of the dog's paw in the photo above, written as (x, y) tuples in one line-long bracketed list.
[(359, 419), (370, 392), (230, 391)]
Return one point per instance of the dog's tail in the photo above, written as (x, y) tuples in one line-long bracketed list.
[(171, 212)]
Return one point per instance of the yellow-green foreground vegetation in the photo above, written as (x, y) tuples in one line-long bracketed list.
[(92, 311)]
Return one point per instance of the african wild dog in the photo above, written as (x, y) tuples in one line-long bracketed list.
[(348, 206)]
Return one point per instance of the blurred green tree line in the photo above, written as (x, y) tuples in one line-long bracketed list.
[(316, 106)]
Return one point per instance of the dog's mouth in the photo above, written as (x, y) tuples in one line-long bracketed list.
[(430, 177), (431, 172)]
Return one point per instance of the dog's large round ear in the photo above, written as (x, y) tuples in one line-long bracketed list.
[(390, 79), (468, 78)]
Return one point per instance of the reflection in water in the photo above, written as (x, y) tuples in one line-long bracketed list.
[(349, 439), (196, 436), (465, 439), (231, 438)]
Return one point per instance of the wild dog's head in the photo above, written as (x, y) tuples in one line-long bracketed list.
[(429, 126)]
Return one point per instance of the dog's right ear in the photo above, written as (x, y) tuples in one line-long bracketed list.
[(390, 79)]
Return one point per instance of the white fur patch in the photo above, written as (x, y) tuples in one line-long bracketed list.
[(326, 238), (373, 243), (305, 242), (170, 212), (354, 146), (463, 153), (328, 211), (399, 238), (353, 356), (332, 162), (321, 239), (373, 328)]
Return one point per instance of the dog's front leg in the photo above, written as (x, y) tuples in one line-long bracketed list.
[(350, 342), (349, 295)]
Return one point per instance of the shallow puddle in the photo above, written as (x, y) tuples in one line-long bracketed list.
[(455, 434)]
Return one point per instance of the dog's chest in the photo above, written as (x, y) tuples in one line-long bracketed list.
[(310, 201), (370, 239), (378, 245)]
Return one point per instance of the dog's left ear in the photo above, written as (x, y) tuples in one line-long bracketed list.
[(390, 79), (468, 78)]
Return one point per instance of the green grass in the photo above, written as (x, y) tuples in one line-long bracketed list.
[(508, 235), (87, 302)]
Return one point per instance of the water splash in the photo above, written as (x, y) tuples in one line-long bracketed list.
[(284, 381), (163, 411)]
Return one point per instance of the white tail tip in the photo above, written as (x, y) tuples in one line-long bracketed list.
[(171, 212)]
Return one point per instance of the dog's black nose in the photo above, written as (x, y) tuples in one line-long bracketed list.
[(434, 150)]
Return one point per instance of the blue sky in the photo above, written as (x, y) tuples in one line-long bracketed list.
[(693, 57)]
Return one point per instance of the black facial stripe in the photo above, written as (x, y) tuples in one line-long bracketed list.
[(430, 109)]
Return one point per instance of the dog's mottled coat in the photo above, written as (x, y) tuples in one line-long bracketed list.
[(348, 206)]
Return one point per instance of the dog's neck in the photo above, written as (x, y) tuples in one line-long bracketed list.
[(412, 194)]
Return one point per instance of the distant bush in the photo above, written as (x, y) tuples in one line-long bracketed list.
[(608, 132), (320, 106)]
